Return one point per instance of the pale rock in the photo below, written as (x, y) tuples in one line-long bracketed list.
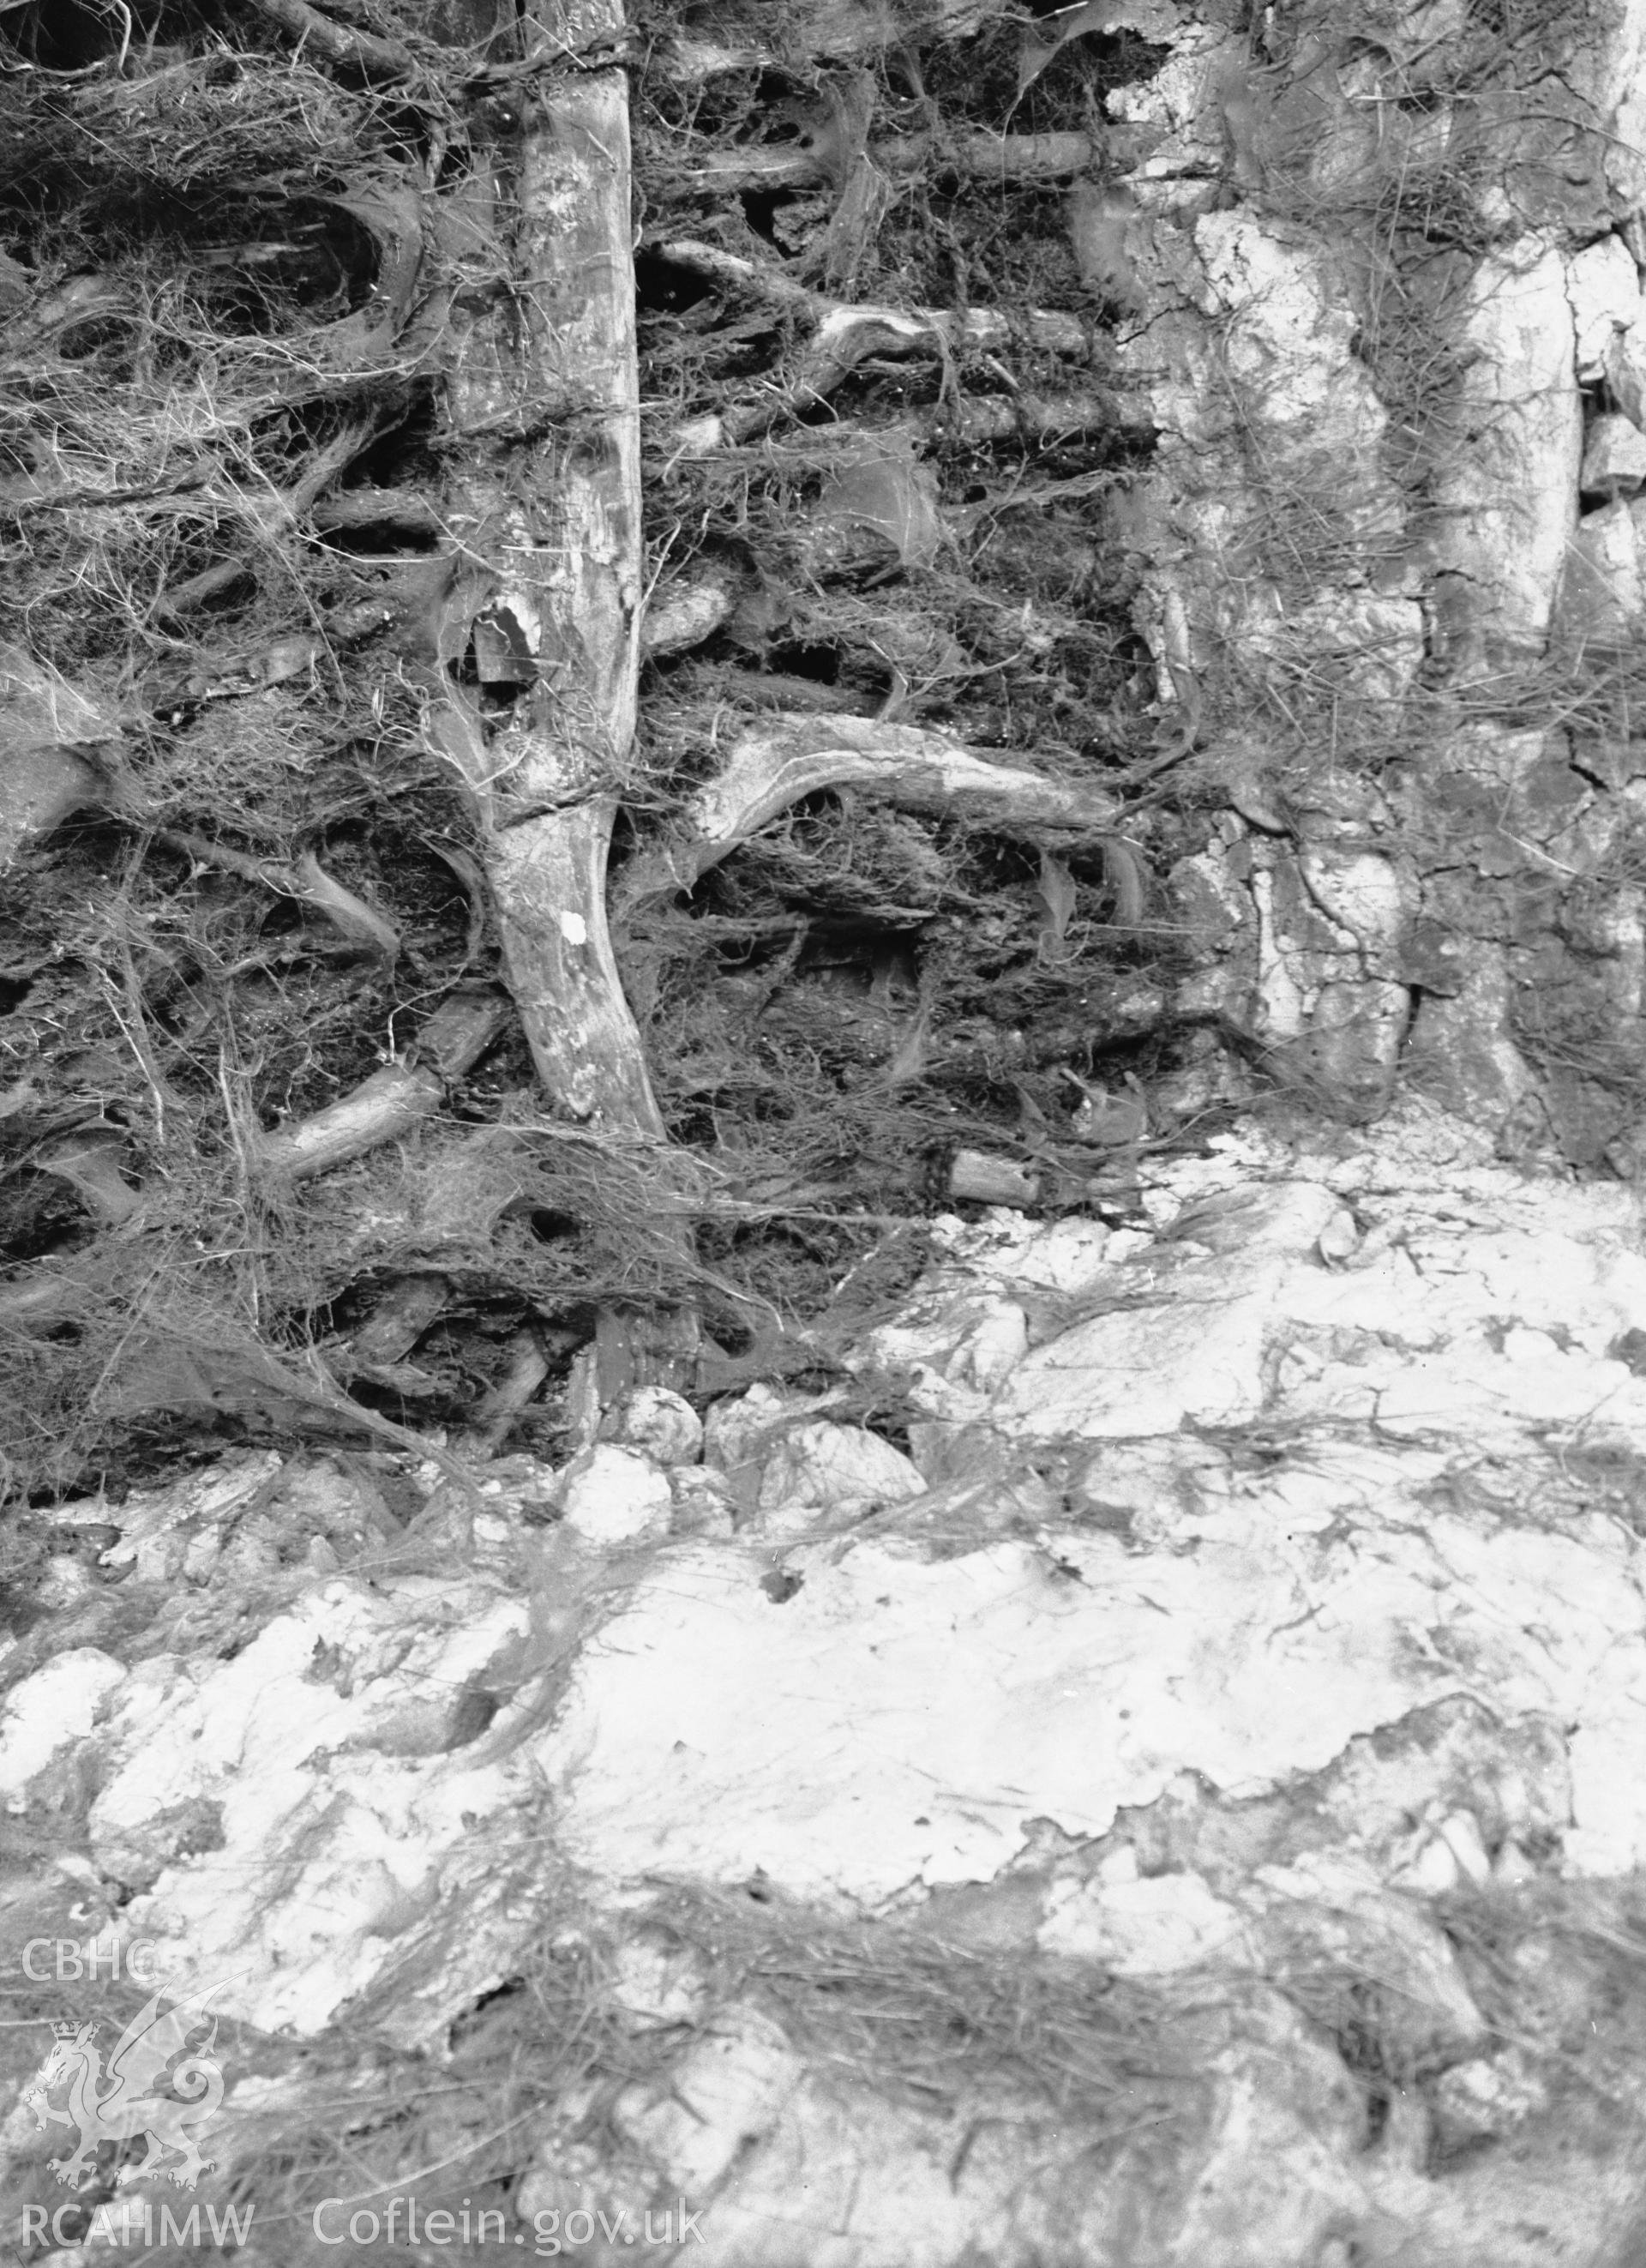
[(813, 2173), (1602, 285), (497, 1544), (1213, 906), (1354, 1611), (251, 1552), (1511, 1867), (1176, 1351), (1335, 1906), (723, 2098), (1461, 1832), (822, 1464), (1163, 1488), (1506, 506), (736, 1430), (1374, 646), (1513, 1774), (1601, 594), (1148, 1926), (64, 1581), (940, 1394), (954, 1343), (1144, 1372), (1286, 331), (1614, 458), (1118, 1868), (1614, 52), (1352, 1038), (612, 1496), (1282, 984), (199, 1558), (658, 1422), (703, 1502), (1626, 373), (161, 1527), (310, 1813), (1473, 1389), (1324, 953), (1431, 1872), (1461, 1053), (793, 1524), (862, 1678), (1523, 1345), (1176, 98), (834, 2173), (52, 1712), (1067, 1255), (655, 1980), (1339, 1240), (996, 1346), (1361, 892), (1489, 2095), (1279, 2179), (1605, 1747)]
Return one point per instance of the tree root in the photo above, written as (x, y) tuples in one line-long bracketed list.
[(781, 761), (393, 1100), (400, 1317), (374, 58), (545, 603), (845, 336), (969, 151), (526, 1369), (987, 329), (304, 879), (686, 612), (969, 421)]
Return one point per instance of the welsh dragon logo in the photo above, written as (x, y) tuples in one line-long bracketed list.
[(119, 2103)]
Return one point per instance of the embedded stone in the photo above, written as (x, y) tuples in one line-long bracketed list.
[(615, 1496)]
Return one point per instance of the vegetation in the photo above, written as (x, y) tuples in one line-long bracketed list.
[(288, 769)]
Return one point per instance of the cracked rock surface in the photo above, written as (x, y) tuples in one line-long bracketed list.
[(1252, 1629)]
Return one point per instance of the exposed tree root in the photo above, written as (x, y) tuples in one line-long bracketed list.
[(545, 603), (996, 157), (400, 1317), (685, 611), (845, 335), (776, 763), (527, 1367), (356, 462), (365, 52), (393, 1100), (304, 879)]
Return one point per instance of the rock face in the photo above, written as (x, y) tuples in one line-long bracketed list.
[(1265, 1601), (1360, 559)]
